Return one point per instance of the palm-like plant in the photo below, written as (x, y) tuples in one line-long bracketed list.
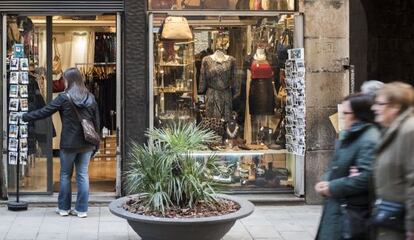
[(166, 172)]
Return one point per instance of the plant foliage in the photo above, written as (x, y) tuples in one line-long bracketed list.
[(166, 171)]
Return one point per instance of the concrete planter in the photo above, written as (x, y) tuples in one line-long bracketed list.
[(207, 228)]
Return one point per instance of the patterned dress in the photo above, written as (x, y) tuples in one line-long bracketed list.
[(218, 82)]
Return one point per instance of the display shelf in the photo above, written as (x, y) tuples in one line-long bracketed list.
[(167, 90), (239, 152), (174, 65)]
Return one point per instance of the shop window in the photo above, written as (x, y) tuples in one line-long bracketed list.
[(229, 78), (88, 43), (239, 5)]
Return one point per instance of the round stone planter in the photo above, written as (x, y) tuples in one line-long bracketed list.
[(207, 228)]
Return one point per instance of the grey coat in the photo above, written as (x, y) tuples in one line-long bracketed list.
[(356, 148), (394, 169)]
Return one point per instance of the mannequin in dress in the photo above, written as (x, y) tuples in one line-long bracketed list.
[(261, 93), (219, 56), (218, 83)]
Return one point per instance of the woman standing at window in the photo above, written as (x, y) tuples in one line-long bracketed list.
[(74, 149)]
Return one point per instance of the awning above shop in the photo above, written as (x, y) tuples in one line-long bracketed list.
[(61, 6)]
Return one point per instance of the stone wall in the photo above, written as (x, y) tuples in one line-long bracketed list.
[(326, 51)]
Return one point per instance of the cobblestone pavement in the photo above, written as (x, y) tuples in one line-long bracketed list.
[(267, 222)]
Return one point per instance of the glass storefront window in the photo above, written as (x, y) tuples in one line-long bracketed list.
[(239, 5), (230, 79), (31, 139), (88, 43)]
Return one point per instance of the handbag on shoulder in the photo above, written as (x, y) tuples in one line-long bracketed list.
[(58, 85), (389, 214), (89, 132), (176, 28)]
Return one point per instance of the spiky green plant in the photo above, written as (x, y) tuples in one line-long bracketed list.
[(167, 173)]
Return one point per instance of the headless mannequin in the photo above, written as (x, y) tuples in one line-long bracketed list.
[(260, 120), (260, 54), (219, 56)]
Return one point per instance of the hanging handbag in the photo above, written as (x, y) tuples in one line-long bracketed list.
[(214, 4), (191, 4), (89, 132), (58, 85), (217, 125), (162, 4), (388, 214), (176, 28), (57, 64), (242, 5)]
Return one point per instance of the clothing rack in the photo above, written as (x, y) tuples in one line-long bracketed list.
[(96, 64)]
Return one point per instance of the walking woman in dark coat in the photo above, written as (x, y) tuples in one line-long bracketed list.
[(355, 149), (74, 149)]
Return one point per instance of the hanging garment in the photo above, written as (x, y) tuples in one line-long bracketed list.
[(216, 4), (38, 130), (217, 79), (261, 95)]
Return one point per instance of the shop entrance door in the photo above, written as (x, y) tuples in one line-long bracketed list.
[(92, 44)]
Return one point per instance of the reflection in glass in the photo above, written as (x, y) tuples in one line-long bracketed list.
[(229, 78), (242, 5)]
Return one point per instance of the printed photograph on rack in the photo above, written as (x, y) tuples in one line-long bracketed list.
[(23, 131), (13, 144), (23, 145), (14, 91), (24, 105), (14, 118), (14, 104), (13, 130), (13, 158), (24, 77), (14, 77), (23, 91), (24, 64), (23, 158), (14, 64)]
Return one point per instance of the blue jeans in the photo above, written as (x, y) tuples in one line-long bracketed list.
[(81, 162)]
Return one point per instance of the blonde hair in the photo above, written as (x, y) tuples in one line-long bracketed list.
[(398, 93)]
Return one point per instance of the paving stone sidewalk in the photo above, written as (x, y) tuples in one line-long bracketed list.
[(267, 222)]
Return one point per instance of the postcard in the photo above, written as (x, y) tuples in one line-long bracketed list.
[(14, 77)]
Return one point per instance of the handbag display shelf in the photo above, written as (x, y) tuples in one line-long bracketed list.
[(107, 149)]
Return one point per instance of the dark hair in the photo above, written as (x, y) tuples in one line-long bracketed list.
[(361, 106), (76, 87), (398, 93)]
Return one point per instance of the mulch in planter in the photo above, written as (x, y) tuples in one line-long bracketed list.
[(201, 209)]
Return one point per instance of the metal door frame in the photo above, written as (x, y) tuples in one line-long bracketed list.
[(49, 78)]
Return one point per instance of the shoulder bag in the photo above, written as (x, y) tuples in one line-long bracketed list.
[(89, 132), (388, 214)]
